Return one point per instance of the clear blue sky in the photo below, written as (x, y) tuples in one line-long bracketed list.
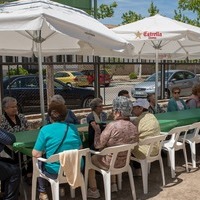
[(166, 8)]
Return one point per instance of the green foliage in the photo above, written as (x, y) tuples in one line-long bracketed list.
[(153, 10), (132, 16), (104, 11), (133, 75), (188, 6), (17, 71)]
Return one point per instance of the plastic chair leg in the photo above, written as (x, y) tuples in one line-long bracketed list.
[(83, 189), (130, 174), (119, 181), (107, 185), (144, 166), (162, 171), (33, 190), (185, 155), (55, 190), (172, 161), (72, 192), (193, 153)]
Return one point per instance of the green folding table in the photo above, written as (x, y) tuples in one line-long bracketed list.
[(170, 120)]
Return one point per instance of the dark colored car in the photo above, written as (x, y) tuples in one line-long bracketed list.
[(25, 88), (104, 77)]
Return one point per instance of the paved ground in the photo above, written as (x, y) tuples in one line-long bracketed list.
[(184, 187)]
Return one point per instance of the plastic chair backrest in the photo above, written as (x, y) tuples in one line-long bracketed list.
[(196, 127), (152, 142), (114, 151), (55, 158), (176, 132)]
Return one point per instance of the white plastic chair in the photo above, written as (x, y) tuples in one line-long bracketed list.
[(61, 176), (175, 144), (112, 170), (83, 120), (145, 163), (192, 139)]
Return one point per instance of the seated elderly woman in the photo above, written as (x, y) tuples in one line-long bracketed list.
[(97, 116), (11, 120), (176, 103), (120, 131), (70, 117), (194, 100), (54, 138)]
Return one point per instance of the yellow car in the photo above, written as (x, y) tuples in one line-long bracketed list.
[(73, 78)]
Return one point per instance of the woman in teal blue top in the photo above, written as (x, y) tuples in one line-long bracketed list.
[(54, 138), (176, 103)]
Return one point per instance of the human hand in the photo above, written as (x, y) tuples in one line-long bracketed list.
[(96, 127)]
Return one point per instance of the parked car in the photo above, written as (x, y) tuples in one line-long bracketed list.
[(104, 77), (25, 88), (72, 78), (173, 78)]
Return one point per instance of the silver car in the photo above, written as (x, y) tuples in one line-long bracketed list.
[(173, 78)]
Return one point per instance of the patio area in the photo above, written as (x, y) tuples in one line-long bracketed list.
[(184, 186)]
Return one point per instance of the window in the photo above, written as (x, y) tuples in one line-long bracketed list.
[(188, 75)]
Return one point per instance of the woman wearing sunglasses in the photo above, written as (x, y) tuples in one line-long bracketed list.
[(176, 103)]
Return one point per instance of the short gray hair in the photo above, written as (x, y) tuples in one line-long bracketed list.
[(122, 104), (6, 100), (57, 98), (95, 103)]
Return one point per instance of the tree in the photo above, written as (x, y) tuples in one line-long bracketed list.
[(132, 16), (104, 11), (153, 10), (188, 6)]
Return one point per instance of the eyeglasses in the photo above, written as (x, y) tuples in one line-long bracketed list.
[(176, 92)]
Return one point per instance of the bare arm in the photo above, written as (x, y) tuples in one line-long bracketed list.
[(36, 153)]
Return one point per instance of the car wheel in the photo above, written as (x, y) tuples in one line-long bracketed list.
[(167, 94), (86, 102)]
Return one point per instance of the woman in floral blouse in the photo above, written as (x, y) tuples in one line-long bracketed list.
[(120, 131), (12, 121)]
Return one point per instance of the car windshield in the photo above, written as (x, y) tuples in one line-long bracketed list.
[(152, 78), (57, 84), (77, 73)]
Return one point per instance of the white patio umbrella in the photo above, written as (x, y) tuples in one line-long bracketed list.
[(43, 27), (161, 38)]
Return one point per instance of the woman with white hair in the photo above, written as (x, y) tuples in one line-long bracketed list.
[(120, 131), (11, 120), (70, 117)]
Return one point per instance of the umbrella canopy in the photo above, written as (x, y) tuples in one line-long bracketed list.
[(161, 38), (174, 40), (42, 27), (61, 30)]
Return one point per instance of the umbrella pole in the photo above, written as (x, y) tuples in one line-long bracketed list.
[(156, 82), (41, 82)]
